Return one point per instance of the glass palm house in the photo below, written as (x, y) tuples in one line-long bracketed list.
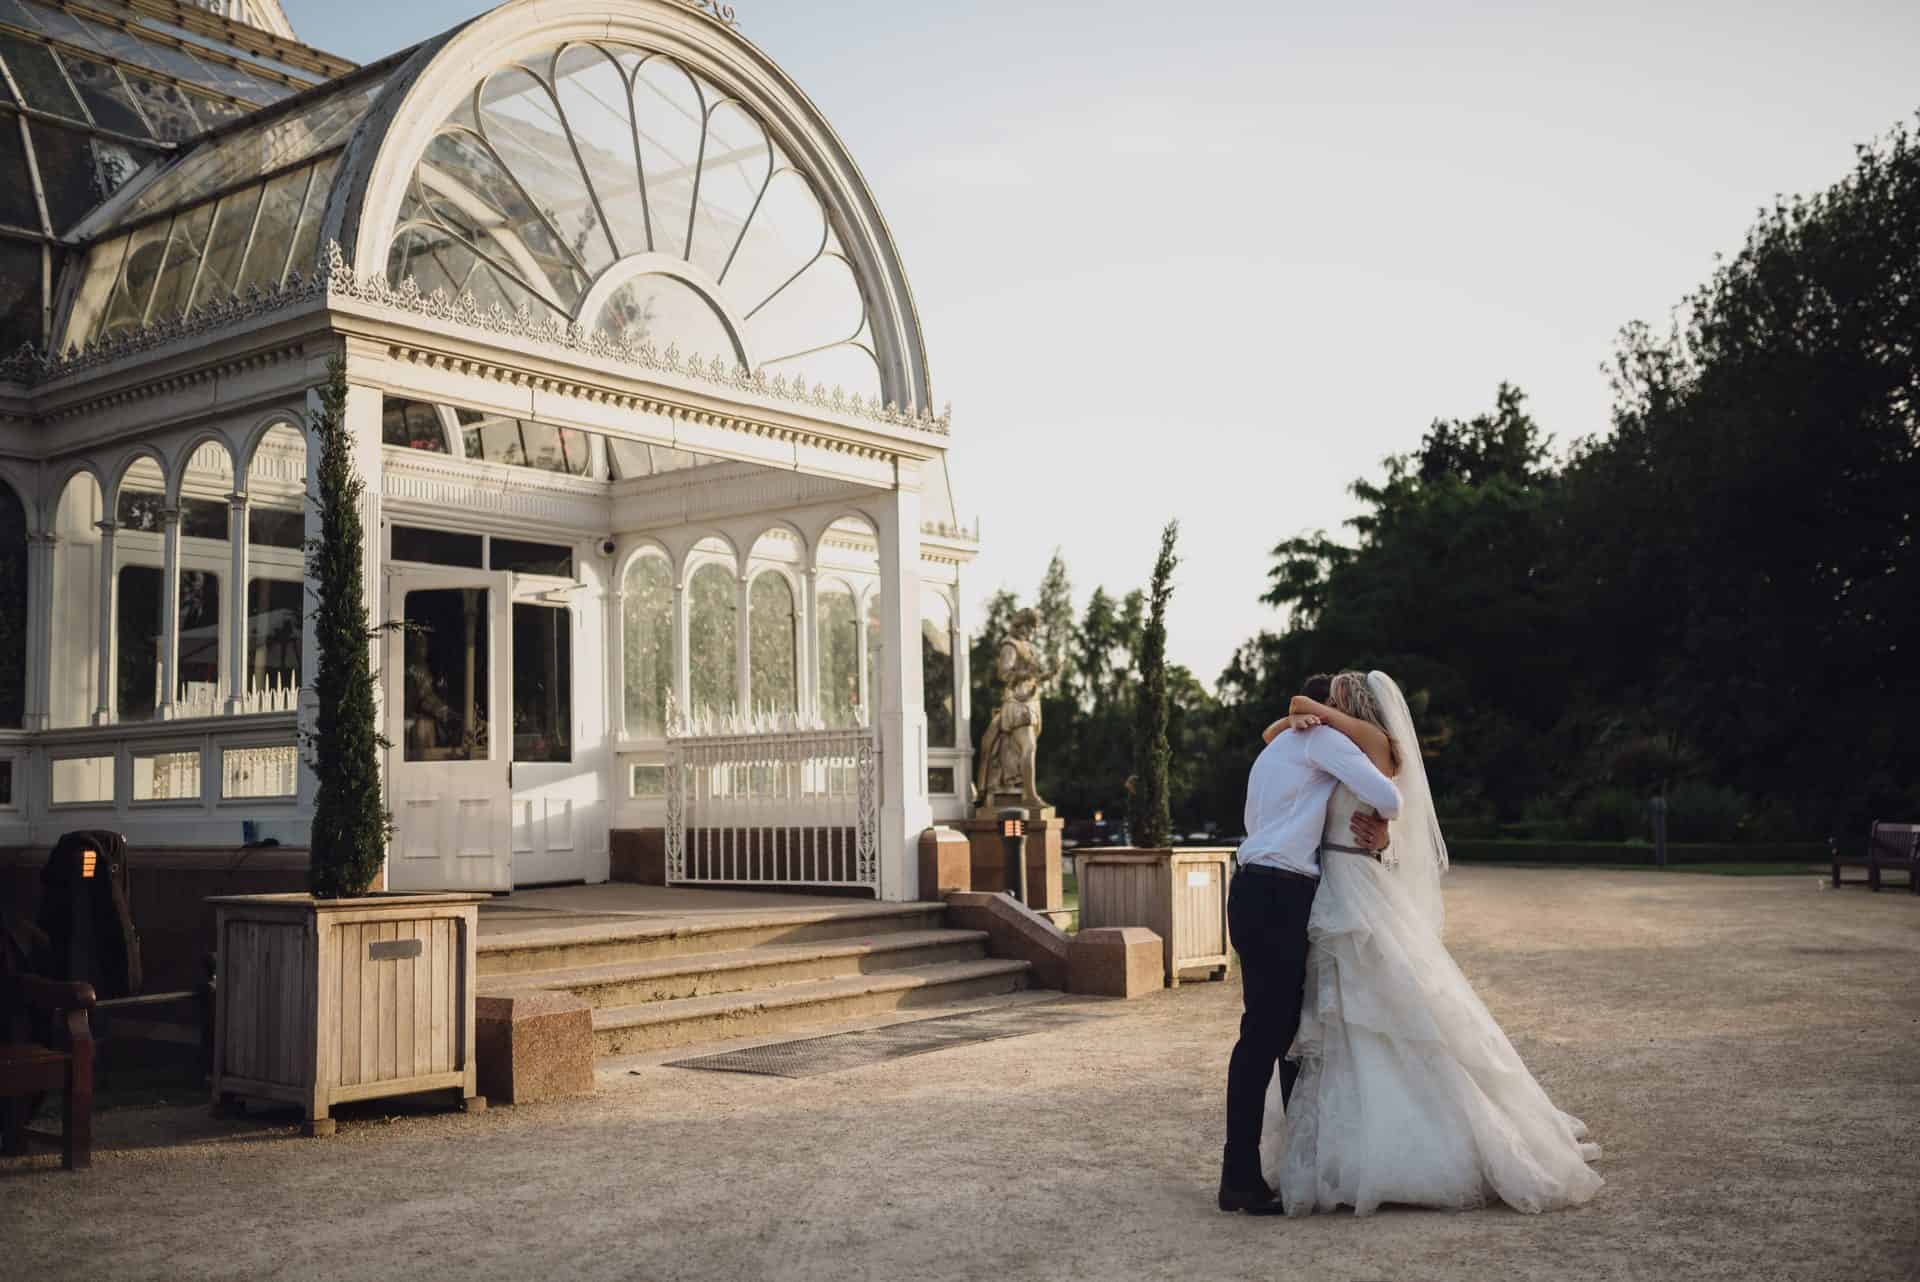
[(636, 385)]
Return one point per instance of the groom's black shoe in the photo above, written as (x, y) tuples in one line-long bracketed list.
[(1254, 1199)]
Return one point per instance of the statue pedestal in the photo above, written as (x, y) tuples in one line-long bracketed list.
[(1043, 857)]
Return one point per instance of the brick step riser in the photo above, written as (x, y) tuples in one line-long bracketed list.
[(704, 1028), (663, 988), (608, 952)]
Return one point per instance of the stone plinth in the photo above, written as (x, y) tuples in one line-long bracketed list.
[(1015, 931), (1043, 858), (946, 863), (1115, 961), (534, 1046)]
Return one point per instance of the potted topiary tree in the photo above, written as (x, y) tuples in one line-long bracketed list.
[(1181, 895), (343, 993)]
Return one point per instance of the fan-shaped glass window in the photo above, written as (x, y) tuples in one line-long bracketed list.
[(647, 651), (547, 183)]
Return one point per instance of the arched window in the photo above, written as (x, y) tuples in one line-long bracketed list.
[(411, 425), (648, 643), (873, 656), (838, 633), (772, 664), (13, 607), (712, 641), (936, 666)]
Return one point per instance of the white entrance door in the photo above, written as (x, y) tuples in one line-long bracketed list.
[(449, 727), (555, 790)]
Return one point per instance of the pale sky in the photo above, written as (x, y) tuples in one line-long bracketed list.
[(1214, 261)]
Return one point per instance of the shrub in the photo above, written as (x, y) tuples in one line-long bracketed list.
[(1701, 811), (1611, 814)]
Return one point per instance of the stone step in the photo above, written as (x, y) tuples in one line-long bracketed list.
[(703, 974), (605, 942), (629, 1030)]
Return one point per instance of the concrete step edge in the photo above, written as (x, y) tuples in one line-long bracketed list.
[(635, 931), (803, 993), (753, 957)]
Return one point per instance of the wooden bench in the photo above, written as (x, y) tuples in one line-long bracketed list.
[(29, 1069), (1889, 845)]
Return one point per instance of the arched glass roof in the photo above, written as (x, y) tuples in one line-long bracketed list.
[(609, 185)]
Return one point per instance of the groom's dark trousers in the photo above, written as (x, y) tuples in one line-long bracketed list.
[(1267, 912)]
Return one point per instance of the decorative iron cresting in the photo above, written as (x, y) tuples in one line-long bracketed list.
[(713, 9), (336, 279)]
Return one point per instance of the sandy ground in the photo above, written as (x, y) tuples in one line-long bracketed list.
[(1748, 1050)]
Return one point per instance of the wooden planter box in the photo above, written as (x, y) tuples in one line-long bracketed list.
[(1180, 895), (321, 1001)]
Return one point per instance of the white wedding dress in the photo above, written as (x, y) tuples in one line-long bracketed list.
[(1408, 1090)]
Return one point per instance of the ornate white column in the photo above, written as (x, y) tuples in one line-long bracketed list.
[(169, 611), (682, 661), (36, 699), (807, 649), (614, 603), (962, 690), (237, 604), (109, 583), (742, 649), (900, 714)]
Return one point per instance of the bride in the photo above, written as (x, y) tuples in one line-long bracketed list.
[(1408, 1090)]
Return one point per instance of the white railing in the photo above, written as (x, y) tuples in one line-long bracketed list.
[(276, 692), (782, 807)]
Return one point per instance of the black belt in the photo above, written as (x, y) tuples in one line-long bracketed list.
[(1268, 870)]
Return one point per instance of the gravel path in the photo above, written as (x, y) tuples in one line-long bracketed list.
[(1747, 1049)]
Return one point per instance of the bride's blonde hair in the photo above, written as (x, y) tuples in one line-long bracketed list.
[(1353, 694)]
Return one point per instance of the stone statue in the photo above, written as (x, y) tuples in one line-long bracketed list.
[(1006, 773)]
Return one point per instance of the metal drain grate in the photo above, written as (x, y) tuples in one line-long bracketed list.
[(837, 1052)]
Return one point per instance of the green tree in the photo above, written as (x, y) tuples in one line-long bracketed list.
[(350, 825), (1053, 607), (1148, 813)]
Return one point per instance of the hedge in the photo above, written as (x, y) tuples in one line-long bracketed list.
[(1632, 852)]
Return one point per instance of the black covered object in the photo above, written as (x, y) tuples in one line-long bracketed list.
[(88, 920)]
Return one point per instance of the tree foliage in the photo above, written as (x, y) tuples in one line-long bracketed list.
[(350, 824), (1149, 815)]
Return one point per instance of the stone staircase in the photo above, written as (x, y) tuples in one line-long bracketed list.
[(655, 986)]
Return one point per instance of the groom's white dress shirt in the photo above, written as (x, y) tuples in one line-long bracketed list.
[(1289, 788)]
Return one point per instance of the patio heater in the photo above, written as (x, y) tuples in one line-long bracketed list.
[(1013, 835)]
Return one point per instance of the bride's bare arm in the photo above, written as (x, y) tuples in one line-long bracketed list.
[(1371, 739), (1286, 723)]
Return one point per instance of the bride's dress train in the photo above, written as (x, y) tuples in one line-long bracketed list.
[(1408, 1090)]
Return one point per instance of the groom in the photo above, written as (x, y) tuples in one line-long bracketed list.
[(1267, 907)]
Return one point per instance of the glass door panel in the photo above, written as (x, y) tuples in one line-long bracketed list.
[(448, 645)]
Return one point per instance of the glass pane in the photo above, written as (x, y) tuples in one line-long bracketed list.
[(320, 126), (137, 643), (227, 247), (555, 559), (712, 643), (668, 109), (140, 510), (106, 97), (493, 438), (668, 311), (437, 547), (940, 780), (259, 772), (593, 96), (734, 170), (6, 781), (79, 172), (644, 780), (146, 251), (39, 78), (273, 229), (79, 780), (873, 650), (771, 645), (167, 107), (276, 527), (205, 519), (199, 681), (522, 122), (839, 641), (185, 246), (936, 667), (19, 292), (17, 205), (647, 607), (166, 776), (468, 191), (275, 609), (788, 231), (542, 683), (411, 425), (306, 237), (444, 713)]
